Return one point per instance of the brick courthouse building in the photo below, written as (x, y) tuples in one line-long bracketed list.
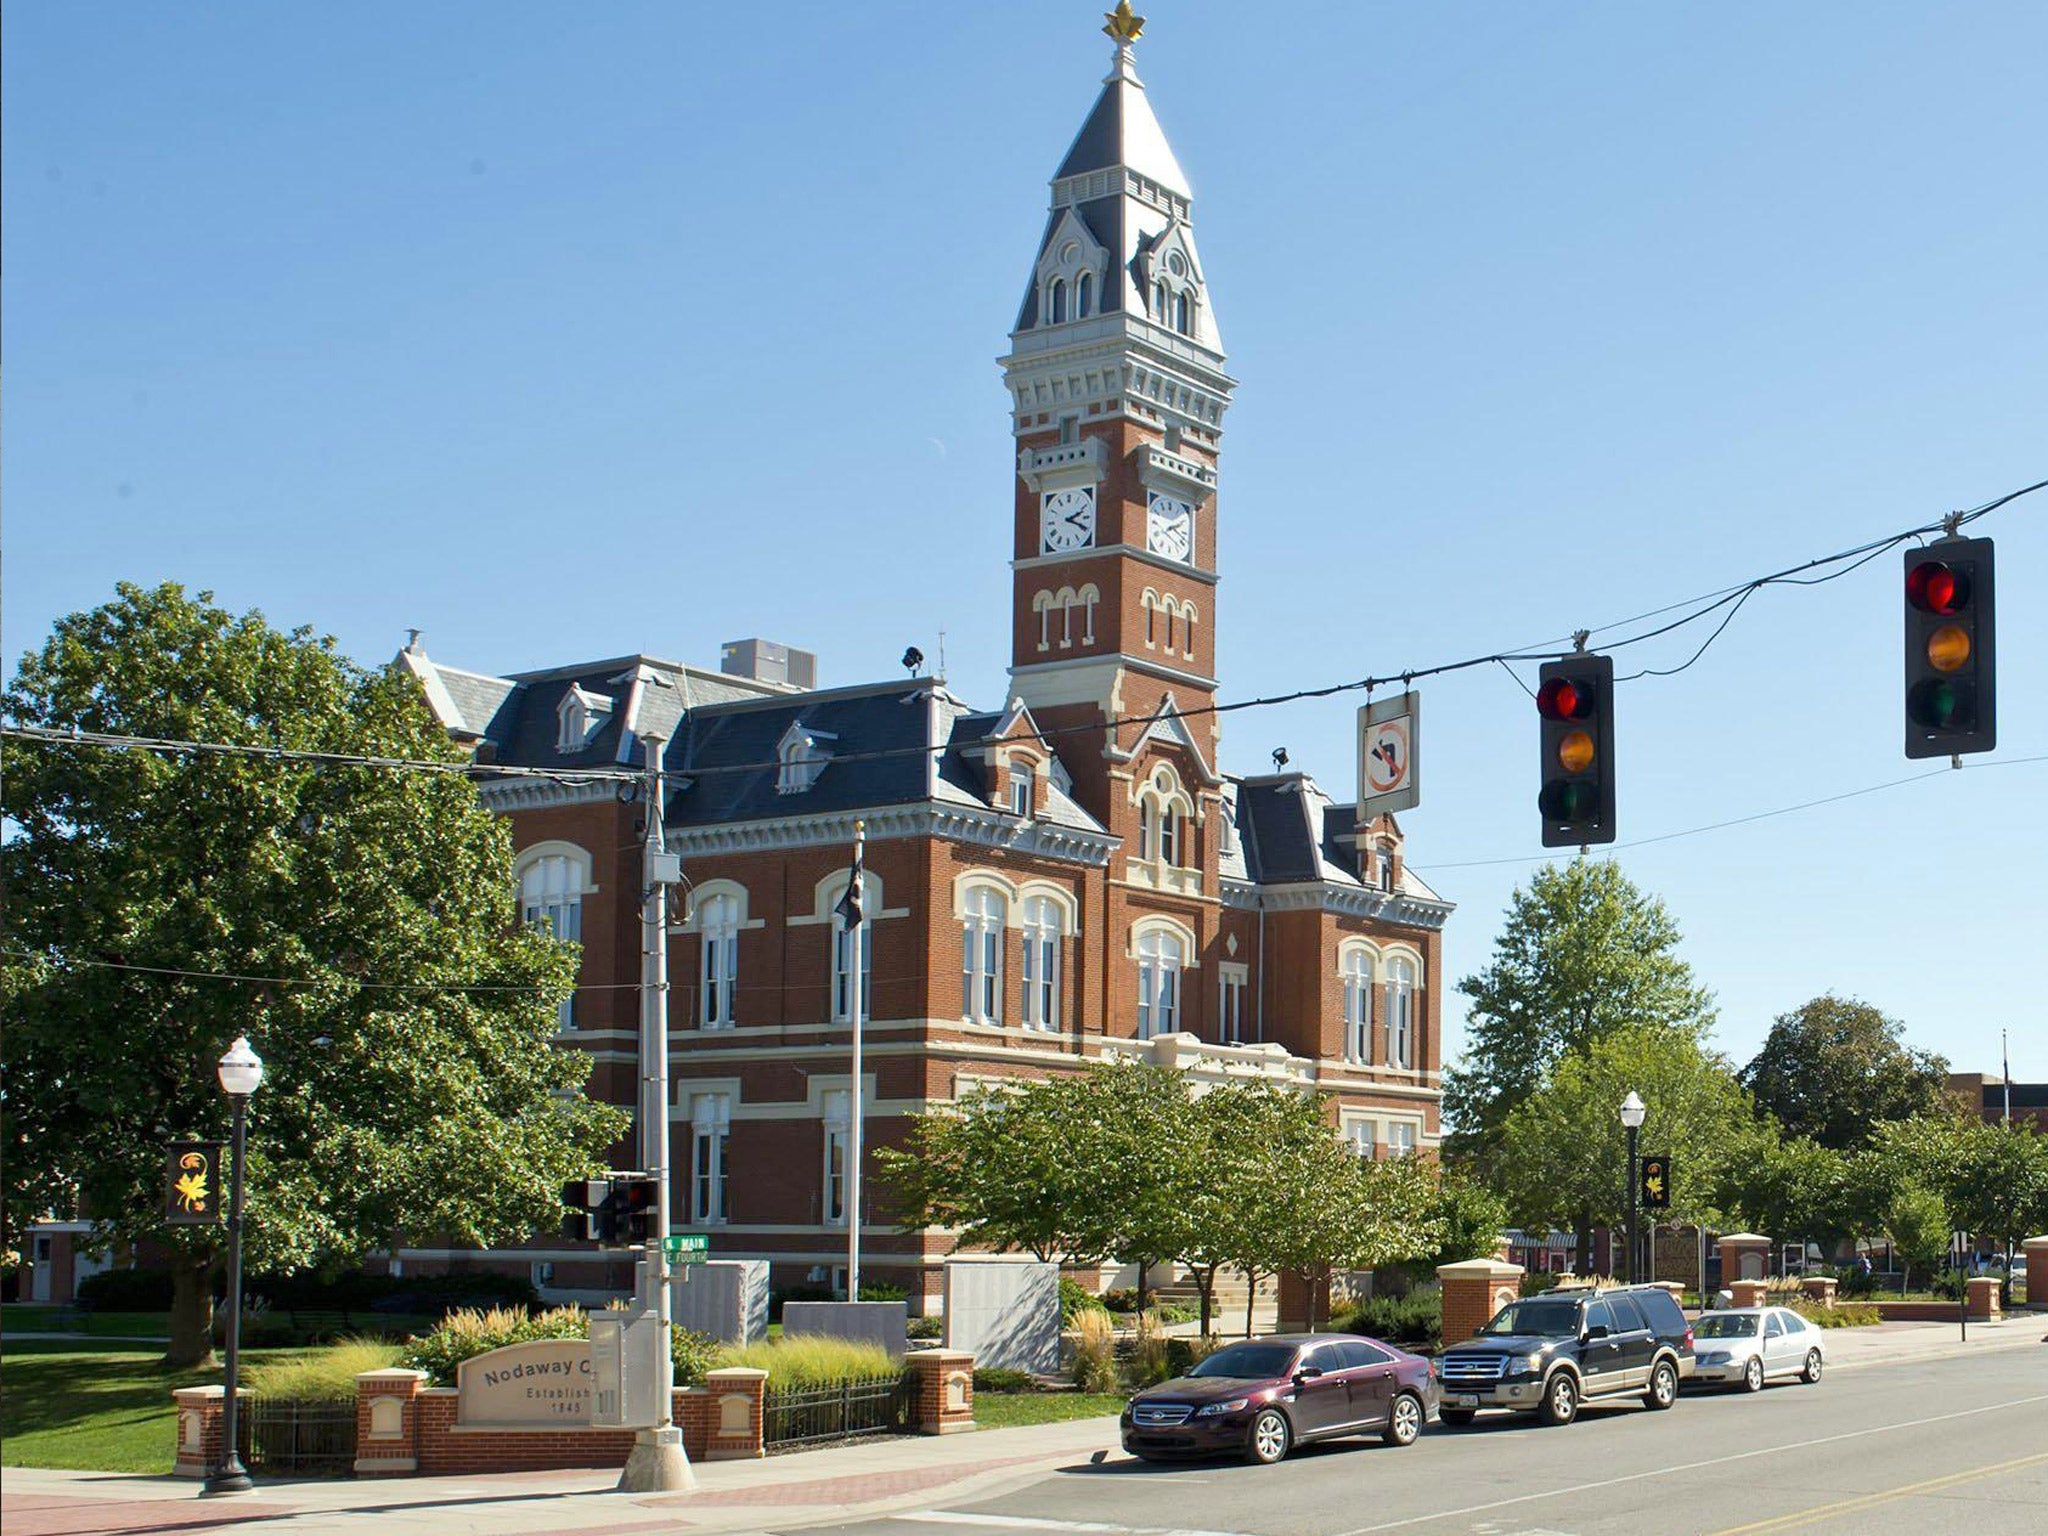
[(1063, 878)]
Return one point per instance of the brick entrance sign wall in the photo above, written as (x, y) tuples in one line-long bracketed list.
[(201, 1417)]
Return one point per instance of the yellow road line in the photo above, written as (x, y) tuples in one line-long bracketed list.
[(1865, 1501)]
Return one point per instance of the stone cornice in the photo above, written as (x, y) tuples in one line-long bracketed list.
[(528, 794), (1328, 896), (980, 827)]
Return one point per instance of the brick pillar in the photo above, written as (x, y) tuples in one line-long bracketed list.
[(2036, 1251), (739, 1400), (1744, 1256), (1473, 1291), (1820, 1288), (1746, 1293), (1983, 1294), (945, 1389), (200, 1415), (388, 1422)]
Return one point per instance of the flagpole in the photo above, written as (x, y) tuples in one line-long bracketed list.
[(856, 1004)]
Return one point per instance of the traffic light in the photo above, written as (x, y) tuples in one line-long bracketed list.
[(629, 1213), (1951, 700), (1653, 1176), (1576, 701), (583, 1205)]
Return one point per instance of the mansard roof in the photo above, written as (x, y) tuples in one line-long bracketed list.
[(1293, 833)]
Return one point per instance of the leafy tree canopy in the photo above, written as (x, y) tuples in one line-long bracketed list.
[(1582, 953), (1834, 1068), (1563, 1159), (413, 1088)]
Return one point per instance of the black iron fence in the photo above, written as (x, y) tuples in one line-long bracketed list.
[(842, 1410), (287, 1437)]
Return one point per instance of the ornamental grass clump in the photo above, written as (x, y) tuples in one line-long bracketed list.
[(1094, 1351), (470, 1331), (1151, 1359), (812, 1360), (320, 1375)]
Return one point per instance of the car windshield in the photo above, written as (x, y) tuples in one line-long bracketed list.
[(1551, 1319), (1247, 1361), (1726, 1325)]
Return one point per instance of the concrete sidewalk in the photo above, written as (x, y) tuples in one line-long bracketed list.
[(877, 1478)]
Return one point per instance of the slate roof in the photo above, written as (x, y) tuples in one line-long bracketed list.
[(1292, 832), (1121, 130)]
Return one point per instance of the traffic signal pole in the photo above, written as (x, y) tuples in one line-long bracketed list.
[(657, 1463)]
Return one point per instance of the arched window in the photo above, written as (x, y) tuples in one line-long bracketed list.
[(981, 955), (1042, 926), (1161, 955), (551, 887), (1183, 315), (1057, 304), (718, 921), (1356, 969), (1159, 301), (842, 970), (1386, 863), (1084, 295), (1150, 600), (1187, 629), (1148, 828), (1171, 607), (1068, 600), (1170, 836), (1042, 605), (1401, 1013), (1088, 597)]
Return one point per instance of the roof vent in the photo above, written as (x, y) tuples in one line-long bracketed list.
[(766, 661)]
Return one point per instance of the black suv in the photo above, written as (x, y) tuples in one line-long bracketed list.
[(1547, 1354)]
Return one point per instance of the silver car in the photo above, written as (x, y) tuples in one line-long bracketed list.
[(1747, 1346)]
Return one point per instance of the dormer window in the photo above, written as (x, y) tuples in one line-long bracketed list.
[(801, 755), (577, 718), (1183, 315), (1386, 864), (1084, 295), (1056, 302), (1022, 784)]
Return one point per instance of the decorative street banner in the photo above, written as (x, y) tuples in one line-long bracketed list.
[(195, 1183), (1656, 1182), (1388, 769)]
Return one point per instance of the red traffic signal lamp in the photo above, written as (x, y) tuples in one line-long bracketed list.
[(1951, 697), (1576, 701)]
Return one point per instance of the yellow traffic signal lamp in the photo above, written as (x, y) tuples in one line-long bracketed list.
[(1576, 702), (1951, 700)]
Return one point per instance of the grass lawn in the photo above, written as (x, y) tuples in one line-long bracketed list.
[(68, 1404), (1003, 1410)]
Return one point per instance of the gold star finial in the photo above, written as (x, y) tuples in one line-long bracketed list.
[(1124, 24)]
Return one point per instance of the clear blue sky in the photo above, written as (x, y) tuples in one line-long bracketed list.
[(567, 330)]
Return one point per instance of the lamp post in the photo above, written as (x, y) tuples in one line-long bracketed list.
[(1633, 1112), (241, 1073)]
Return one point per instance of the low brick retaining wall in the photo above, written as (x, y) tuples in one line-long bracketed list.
[(405, 1427), (1911, 1311)]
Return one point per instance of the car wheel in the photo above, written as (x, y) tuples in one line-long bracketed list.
[(1664, 1384), (1457, 1418), (1404, 1420), (1813, 1366), (1270, 1437), (1560, 1399), (1753, 1375)]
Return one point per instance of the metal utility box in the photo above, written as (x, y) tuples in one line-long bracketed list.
[(624, 1356)]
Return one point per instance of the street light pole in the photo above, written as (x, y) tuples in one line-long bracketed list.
[(240, 1071), (1633, 1112)]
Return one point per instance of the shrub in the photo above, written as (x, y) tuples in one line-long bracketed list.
[(926, 1328), (1838, 1316), (882, 1290), (812, 1360), (1947, 1285), (1076, 1297), (1536, 1282), (996, 1379), (1183, 1355), (1177, 1312), (1122, 1298), (128, 1290), (694, 1354), (469, 1332), (1094, 1351), (1417, 1318), (1856, 1282), (322, 1375), (1151, 1359)]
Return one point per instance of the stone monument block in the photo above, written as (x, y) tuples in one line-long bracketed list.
[(726, 1299), (875, 1322), (1004, 1312)]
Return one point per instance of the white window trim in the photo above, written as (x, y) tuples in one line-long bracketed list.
[(986, 916), (1358, 1031)]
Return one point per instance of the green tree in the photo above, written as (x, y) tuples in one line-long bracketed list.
[(1469, 1217), (1582, 953), (414, 1088), (1792, 1189), (1227, 1192), (1835, 1068), (1562, 1159), (1917, 1222)]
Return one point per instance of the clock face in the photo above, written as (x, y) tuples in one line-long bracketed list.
[(1170, 527), (1066, 519)]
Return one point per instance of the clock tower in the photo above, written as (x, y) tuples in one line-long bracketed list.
[(1117, 393)]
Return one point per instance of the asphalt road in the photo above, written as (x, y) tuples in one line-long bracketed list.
[(1885, 1450)]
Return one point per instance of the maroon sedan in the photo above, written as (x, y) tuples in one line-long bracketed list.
[(1265, 1396)]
